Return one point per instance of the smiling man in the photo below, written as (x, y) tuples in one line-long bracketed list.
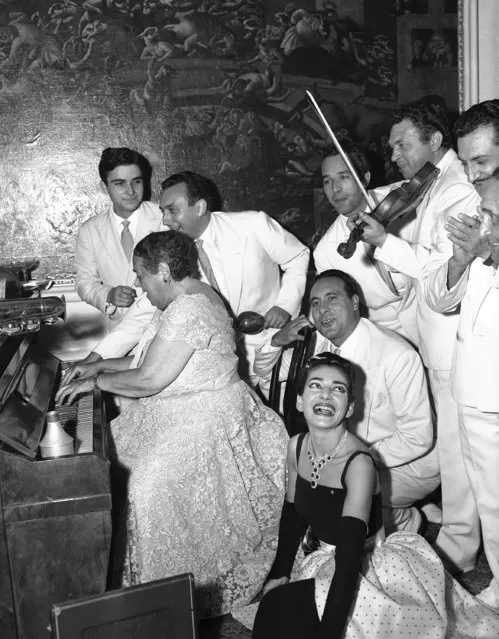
[(253, 263), (392, 414), (477, 134), (389, 298), (247, 257), (463, 271), (104, 245), (421, 132)]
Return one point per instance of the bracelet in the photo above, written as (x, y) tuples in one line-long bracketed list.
[(96, 385)]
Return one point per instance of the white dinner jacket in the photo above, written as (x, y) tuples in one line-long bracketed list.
[(393, 417), (409, 253), (100, 260), (475, 368), (254, 249)]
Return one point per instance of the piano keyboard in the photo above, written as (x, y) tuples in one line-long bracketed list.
[(77, 421)]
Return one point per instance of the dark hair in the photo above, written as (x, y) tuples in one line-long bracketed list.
[(483, 114), (429, 114), (327, 359), (118, 156), (198, 188), (355, 153), (172, 248), (351, 286)]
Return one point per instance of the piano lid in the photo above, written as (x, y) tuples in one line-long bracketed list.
[(28, 375)]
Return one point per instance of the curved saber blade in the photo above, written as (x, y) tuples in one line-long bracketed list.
[(366, 195)]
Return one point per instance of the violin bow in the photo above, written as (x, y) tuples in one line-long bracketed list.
[(344, 156)]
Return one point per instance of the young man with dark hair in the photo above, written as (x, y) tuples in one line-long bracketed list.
[(386, 295), (104, 245), (246, 256)]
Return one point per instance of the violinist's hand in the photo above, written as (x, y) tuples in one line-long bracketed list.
[(68, 393), (353, 220), (373, 233), (274, 583), (291, 332), (276, 317)]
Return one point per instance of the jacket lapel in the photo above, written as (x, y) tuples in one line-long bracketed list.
[(111, 244), (480, 297), (232, 249), (363, 353), (148, 223)]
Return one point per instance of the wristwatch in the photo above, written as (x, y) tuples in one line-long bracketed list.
[(109, 308)]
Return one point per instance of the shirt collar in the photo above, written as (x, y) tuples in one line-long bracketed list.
[(347, 349), (349, 346), (208, 235), (133, 219), (449, 157)]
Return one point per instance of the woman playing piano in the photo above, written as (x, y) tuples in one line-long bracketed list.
[(206, 457)]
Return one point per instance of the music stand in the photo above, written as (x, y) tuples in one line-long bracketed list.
[(159, 609)]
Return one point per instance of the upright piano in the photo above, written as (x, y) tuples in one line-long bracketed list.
[(55, 514)]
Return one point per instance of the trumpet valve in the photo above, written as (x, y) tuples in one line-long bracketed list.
[(32, 324), (11, 329)]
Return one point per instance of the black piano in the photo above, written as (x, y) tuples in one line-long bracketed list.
[(55, 514)]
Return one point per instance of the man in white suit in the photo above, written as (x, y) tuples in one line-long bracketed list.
[(389, 297), (392, 413), (422, 132), (104, 245), (463, 269), (253, 262)]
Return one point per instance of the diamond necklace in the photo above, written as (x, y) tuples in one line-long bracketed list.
[(319, 463)]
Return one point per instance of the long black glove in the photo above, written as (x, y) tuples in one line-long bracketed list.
[(292, 527), (348, 556)]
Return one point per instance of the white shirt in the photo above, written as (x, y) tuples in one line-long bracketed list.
[(409, 253), (132, 227)]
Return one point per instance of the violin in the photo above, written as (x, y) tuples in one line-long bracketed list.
[(398, 203)]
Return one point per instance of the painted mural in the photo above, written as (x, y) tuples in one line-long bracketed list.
[(215, 86)]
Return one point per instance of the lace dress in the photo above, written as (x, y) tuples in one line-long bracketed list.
[(207, 467)]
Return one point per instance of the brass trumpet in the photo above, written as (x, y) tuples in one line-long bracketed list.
[(18, 316)]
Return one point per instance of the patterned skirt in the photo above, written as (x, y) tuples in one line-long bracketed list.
[(403, 593)]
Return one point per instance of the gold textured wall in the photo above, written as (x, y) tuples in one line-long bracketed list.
[(215, 86)]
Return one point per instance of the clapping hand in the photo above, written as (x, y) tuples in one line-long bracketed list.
[(468, 237)]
